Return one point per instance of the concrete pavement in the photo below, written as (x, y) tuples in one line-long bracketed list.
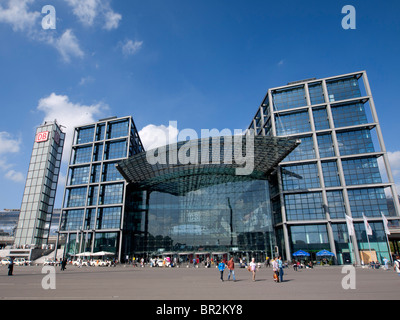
[(129, 283)]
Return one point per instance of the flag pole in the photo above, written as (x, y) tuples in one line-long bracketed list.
[(387, 232), (351, 233), (366, 233)]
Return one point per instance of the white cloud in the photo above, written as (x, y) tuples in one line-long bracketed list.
[(112, 20), (86, 80), (15, 176), (8, 144), (153, 136), (17, 15), (281, 62), (67, 45), (394, 161), (130, 48), (87, 11), (69, 115)]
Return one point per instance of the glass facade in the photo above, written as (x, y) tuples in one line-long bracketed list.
[(40, 188), (232, 218), (334, 172), (116, 201), (92, 214)]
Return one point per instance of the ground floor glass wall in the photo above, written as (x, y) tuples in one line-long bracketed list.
[(314, 238), (231, 218)]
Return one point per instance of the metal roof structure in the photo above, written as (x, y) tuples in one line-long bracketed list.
[(191, 165)]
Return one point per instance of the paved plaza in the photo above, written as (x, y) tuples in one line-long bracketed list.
[(135, 283)]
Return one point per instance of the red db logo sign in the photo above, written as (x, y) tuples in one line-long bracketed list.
[(42, 136)]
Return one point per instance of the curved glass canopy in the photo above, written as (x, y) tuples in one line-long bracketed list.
[(191, 165)]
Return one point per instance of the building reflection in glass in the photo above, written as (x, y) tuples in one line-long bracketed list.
[(229, 217)]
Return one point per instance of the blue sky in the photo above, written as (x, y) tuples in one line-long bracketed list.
[(205, 64)]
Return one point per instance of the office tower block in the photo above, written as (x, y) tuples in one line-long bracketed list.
[(94, 196), (334, 172), (41, 186)]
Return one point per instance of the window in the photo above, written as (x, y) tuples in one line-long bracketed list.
[(82, 155), (115, 149), (325, 145), (370, 201), (72, 220), (85, 135), (300, 177), (304, 206), (331, 174), (117, 129), (361, 171), (355, 142), (304, 151), (349, 115), (309, 237), (109, 218), (316, 93), (343, 89), (101, 128), (336, 206), (111, 194), (79, 175), (110, 172), (291, 123), (321, 121), (76, 197), (289, 98)]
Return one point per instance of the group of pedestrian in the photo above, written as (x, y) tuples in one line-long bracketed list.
[(277, 267), (231, 267)]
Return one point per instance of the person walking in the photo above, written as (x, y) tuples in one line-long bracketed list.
[(280, 266), (397, 265), (385, 262), (253, 267), (231, 267), (221, 268), (63, 264), (11, 267), (275, 269)]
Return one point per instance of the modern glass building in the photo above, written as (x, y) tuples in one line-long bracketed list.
[(310, 161), (40, 189), (94, 196), (186, 208), (334, 172)]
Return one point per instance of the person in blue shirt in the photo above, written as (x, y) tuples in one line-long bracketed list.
[(280, 266), (221, 268)]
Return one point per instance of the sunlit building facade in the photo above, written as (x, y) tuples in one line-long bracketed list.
[(94, 196), (199, 210), (334, 172), (37, 205), (315, 149)]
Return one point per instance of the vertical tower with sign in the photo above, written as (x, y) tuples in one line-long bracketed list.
[(40, 188)]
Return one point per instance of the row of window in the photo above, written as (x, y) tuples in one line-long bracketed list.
[(100, 219), (349, 143), (114, 130), (356, 172), (309, 206), (294, 97), (299, 122), (109, 194), (113, 150), (86, 174)]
